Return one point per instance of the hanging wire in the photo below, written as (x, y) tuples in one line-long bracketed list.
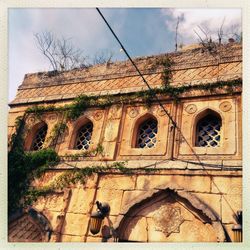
[(161, 105)]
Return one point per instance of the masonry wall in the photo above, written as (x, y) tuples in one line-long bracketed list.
[(200, 187), (217, 184), (122, 191)]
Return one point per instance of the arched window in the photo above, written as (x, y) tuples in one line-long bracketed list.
[(39, 138), (146, 136), (84, 136), (208, 131)]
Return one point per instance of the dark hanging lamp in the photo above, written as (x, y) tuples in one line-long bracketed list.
[(97, 217), (237, 228)]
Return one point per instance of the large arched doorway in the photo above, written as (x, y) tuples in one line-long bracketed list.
[(29, 226), (170, 216)]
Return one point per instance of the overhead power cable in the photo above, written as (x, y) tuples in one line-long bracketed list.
[(161, 105), (144, 80)]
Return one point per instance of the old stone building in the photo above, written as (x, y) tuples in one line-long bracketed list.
[(178, 182)]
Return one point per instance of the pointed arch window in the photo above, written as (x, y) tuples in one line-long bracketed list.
[(39, 138), (208, 131), (147, 132), (84, 135)]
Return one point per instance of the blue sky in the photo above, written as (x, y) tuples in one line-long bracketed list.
[(143, 31)]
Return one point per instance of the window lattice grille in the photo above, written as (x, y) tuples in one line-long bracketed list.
[(84, 137), (147, 134), (209, 132), (39, 138)]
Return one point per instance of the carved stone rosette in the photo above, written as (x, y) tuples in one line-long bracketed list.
[(168, 219), (133, 112), (191, 108), (98, 115), (225, 106)]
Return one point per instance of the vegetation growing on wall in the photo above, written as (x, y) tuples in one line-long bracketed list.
[(56, 132), (71, 177), (80, 156), (166, 63), (24, 167), (79, 175), (81, 103)]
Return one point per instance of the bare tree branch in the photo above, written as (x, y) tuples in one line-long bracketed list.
[(103, 56), (220, 32), (61, 53), (176, 33)]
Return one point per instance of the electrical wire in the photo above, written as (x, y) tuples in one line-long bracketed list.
[(161, 105)]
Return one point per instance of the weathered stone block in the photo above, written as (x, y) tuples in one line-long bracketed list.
[(171, 164), (12, 117), (39, 204), (111, 130), (137, 230), (117, 182), (91, 181), (214, 201), (55, 202), (94, 239), (208, 165), (115, 112), (72, 238), (230, 205), (109, 150), (81, 200), (234, 163), (129, 197), (227, 185), (189, 183), (75, 224), (46, 178)]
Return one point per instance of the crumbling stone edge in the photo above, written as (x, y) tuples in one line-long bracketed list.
[(194, 201)]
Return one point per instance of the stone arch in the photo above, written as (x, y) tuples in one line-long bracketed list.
[(32, 133), (76, 126), (29, 226), (201, 115), (169, 194), (138, 122)]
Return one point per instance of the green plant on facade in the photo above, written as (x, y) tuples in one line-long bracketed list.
[(81, 103), (88, 153), (24, 167), (166, 63), (79, 176), (57, 131)]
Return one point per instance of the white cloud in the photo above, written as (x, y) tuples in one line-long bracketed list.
[(209, 19)]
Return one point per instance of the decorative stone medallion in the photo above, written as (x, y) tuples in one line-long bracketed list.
[(115, 112), (133, 112), (53, 117), (98, 115), (31, 120), (168, 219), (225, 106), (191, 108), (161, 112)]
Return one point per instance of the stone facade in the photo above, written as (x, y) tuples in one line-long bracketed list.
[(193, 195)]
